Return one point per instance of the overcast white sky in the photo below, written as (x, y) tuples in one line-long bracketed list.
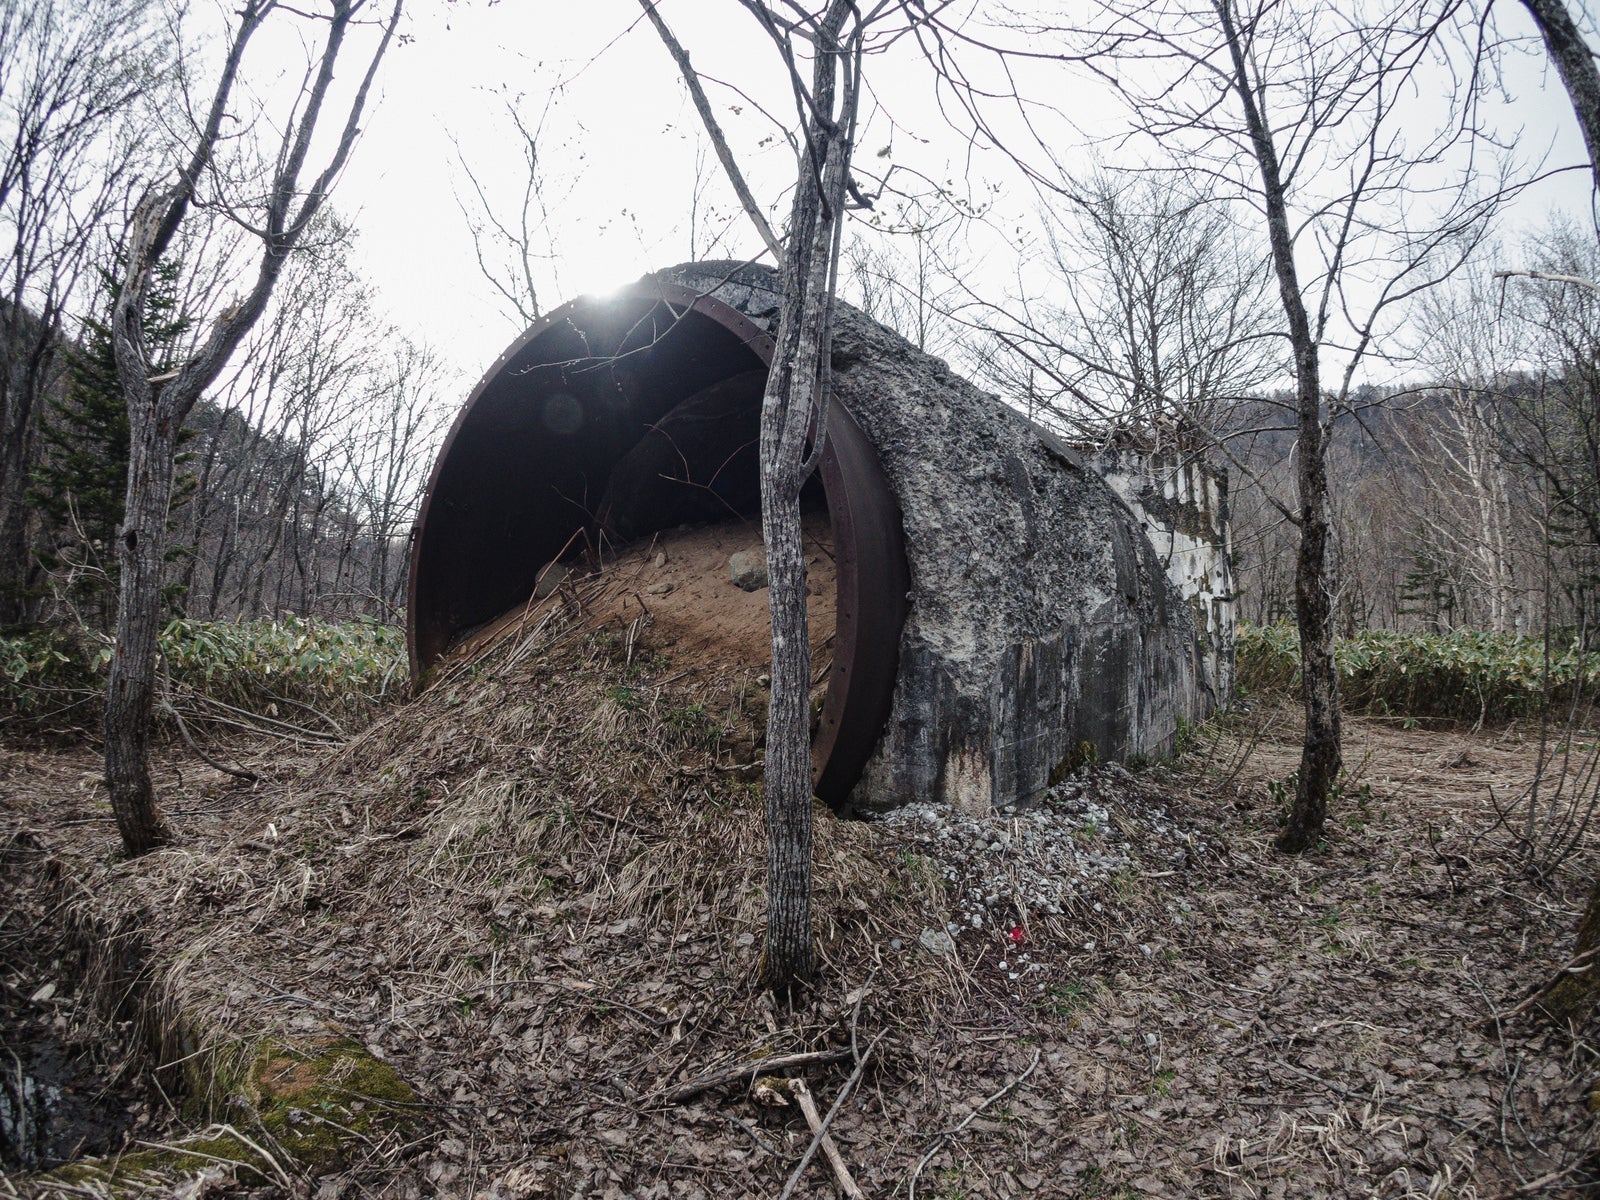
[(621, 145)]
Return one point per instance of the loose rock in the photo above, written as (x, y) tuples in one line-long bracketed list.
[(748, 570)]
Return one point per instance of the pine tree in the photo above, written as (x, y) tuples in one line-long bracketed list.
[(80, 487)]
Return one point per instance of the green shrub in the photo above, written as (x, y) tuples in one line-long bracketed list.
[(1462, 675), (51, 679)]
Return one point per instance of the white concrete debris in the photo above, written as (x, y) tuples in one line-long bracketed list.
[(998, 869)]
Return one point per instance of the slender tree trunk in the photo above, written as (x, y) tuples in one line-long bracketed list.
[(15, 443), (794, 409), (793, 414), (25, 363), (130, 692), (156, 411), (1321, 754), (1573, 996), (787, 961)]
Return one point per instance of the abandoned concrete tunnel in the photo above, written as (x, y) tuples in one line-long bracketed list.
[(998, 609)]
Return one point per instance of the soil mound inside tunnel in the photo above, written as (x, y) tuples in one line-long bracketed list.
[(672, 594)]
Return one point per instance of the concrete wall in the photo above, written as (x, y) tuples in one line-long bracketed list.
[(1043, 623), (1183, 506)]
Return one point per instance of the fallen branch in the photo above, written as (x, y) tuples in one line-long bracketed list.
[(938, 1142), (1550, 277), (337, 728), (257, 723), (819, 1129), (183, 730), (1578, 965), (750, 1069)]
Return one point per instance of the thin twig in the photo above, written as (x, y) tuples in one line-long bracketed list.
[(1578, 965), (750, 1069), (938, 1142), (183, 730)]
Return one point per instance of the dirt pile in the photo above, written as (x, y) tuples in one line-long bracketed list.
[(675, 587)]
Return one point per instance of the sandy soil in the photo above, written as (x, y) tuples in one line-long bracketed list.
[(676, 586)]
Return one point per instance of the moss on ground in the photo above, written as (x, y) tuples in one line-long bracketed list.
[(317, 1105), (321, 1102)]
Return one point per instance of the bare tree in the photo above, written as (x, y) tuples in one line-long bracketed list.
[(1303, 114), (384, 459), (1575, 991), (69, 76), (1155, 323), (514, 250), (158, 405), (794, 421), (905, 271), (1470, 341)]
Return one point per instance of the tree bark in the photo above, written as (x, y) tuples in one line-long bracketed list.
[(1575, 62), (28, 371), (793, 408), (1573, 996), (793, 430), (1321, 755), (16, 457), (130, 692), (787, 961)]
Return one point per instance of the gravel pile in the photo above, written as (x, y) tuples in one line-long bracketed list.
[(1002, 869)]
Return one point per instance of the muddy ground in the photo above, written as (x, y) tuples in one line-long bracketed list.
[(536, 892)]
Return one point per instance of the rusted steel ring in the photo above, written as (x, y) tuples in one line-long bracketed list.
[(535, 442)]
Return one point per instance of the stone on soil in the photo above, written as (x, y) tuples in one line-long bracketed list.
[(748, 570)]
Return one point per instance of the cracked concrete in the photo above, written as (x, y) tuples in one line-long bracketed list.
[(1043, 628)]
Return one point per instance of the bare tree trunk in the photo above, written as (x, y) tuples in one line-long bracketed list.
[(793, 408), (787, 956), (131, 689), (157, 409), (1572, 997), (16, 444), (1321, 753), (1575, 61), (793, 431)]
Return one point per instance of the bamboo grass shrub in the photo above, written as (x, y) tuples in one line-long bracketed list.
[(299, 671), (1462, 675)]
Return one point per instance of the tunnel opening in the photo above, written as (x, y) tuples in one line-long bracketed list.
[(621, 434)]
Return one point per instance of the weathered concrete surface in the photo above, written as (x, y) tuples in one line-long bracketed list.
[(1042, 625), (1183, 506)]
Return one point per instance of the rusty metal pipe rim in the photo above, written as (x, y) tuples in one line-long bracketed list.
[(488, 518)]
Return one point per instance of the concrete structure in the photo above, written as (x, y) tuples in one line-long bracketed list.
[(1183, 506), (1002, 612)]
